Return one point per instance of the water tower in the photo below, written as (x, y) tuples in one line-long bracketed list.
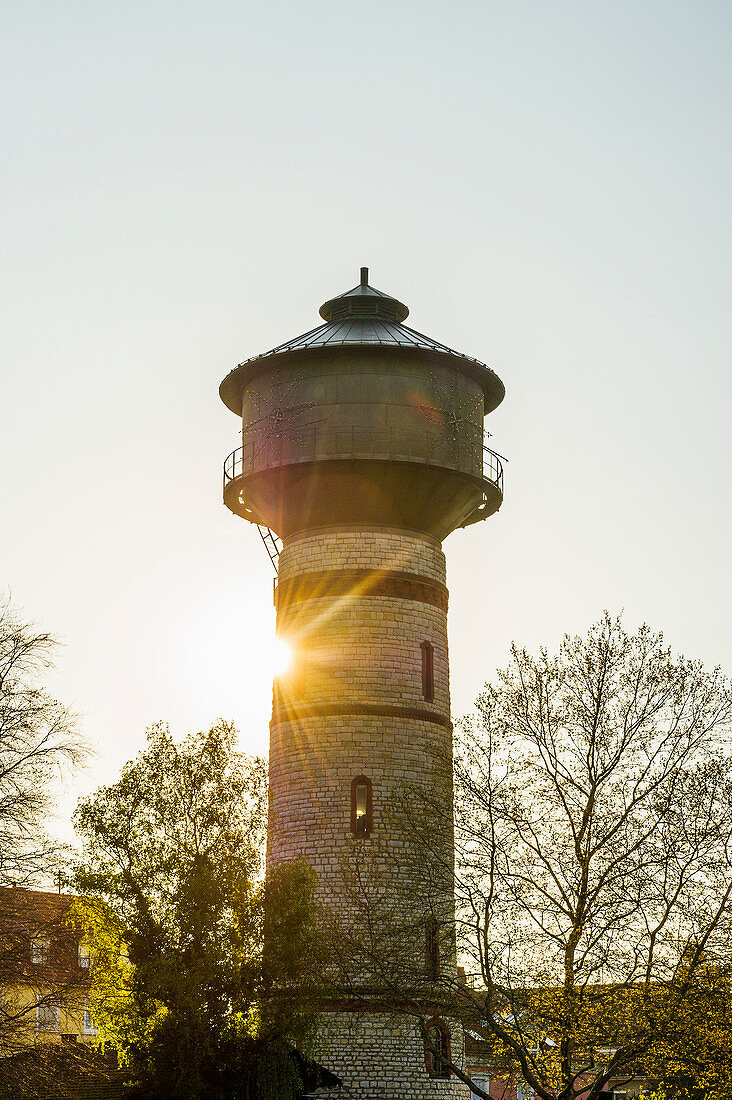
[(362, 449)]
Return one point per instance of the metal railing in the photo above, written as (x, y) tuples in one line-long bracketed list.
[(233, 466), (380, 444), (493, 467)]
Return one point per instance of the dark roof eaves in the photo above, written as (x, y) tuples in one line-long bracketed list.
[(489, 381), (349, 345)]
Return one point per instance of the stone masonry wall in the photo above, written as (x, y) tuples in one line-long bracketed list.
[(354, 705), (377, 548), (381, 1056)]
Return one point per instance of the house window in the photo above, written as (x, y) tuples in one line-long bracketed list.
[(432, 948), (361, 816), (437, 1049), (89, 1028), (48, 1016), (428, 671), (524, 1091), (483, 1082), (41, 951), (84, 956)]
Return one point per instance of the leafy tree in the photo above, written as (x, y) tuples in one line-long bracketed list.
[(693, 1061), (181, 986), (593, 862), (594, 853), (38, 743)]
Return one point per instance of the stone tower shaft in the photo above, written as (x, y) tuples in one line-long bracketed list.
[(362, 448), (354, 704)]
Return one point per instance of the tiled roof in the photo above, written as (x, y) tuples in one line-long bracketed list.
[(36, 915), (34, 907)]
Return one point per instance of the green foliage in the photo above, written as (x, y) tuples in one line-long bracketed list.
[(277, 1075), (594, 853), (173, 863), (38, 745), (692, 1058)]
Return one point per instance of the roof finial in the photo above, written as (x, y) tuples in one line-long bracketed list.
[(364, 276)]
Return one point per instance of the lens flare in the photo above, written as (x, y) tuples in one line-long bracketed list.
[(281, 656)]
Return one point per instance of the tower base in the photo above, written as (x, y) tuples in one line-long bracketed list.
[(381, 1056)]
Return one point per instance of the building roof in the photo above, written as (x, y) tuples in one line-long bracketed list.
[(364, 300), (34, 908), (29, 917), (63, 1069), (363, 317)]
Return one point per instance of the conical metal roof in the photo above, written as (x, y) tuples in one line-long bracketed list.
[(367, 317), (364, 301)]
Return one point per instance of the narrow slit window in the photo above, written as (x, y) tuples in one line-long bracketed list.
[(432, 949), (361, 817), (428, 671)]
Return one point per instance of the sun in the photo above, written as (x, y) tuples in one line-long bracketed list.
[(281, 656)]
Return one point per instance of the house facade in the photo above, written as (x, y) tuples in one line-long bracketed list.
[(45, 968)]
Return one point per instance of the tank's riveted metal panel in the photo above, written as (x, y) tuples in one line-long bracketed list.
[(347, 410)]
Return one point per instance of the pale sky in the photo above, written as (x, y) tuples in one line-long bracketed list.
[(546, 185)]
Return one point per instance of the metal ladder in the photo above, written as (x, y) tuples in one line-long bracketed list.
[(272, 544)]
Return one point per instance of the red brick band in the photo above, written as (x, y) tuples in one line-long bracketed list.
[(361, 582), (289, 713), (363, 998)]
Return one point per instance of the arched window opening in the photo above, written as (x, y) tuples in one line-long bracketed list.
[(432, 949), (437, 1048), (361, 815), (428, 671)]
